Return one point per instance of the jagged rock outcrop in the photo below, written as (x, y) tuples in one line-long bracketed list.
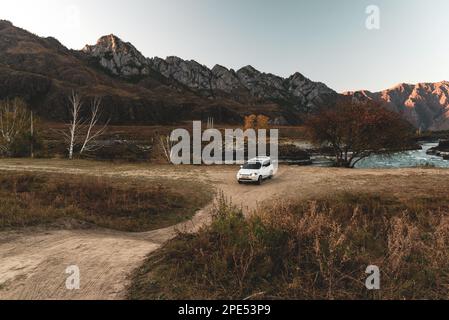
[(225, 80), (120, 58), (425, 105), (308, 93), (189, 73), (246, 83), (262, 85)]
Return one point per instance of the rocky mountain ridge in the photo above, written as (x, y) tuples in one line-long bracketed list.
[(425, 105), (123, 59)]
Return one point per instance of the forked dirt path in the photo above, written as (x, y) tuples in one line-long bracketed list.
[(33, 262)]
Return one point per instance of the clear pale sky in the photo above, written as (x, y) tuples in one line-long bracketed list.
[(326, 40)]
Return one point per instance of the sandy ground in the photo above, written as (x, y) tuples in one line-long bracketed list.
[(33, 262)]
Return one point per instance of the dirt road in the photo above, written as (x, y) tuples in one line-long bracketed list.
[(33, 262)]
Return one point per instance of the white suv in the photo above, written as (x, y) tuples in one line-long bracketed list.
[(256, 170)]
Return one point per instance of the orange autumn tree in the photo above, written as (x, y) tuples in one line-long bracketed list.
[(256, 122), (355, 131)]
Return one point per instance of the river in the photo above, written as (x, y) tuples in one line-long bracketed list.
[(409, 159)]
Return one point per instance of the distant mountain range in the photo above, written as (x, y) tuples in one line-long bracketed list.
[(425, 105), (141, 90)]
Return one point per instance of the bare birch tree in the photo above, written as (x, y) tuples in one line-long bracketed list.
[(91, 132), (13, 122), (82, 134), (166, 146), (31, 134), (75, 124)]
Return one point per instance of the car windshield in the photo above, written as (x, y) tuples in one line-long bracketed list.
[(252, 166)]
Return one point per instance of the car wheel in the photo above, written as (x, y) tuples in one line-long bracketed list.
[(240, 182), (259, 182)]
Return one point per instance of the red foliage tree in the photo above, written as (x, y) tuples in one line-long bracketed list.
[(356, 131)]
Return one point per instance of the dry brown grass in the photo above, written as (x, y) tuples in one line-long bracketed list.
[(33, 199), (316, 249)]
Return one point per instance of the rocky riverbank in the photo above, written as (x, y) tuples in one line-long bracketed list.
[(442, 150)]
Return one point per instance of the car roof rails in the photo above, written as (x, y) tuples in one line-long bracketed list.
[(259, 159)]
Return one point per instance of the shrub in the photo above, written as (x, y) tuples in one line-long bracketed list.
[(307, 250), (292, 152), (23, 144)]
